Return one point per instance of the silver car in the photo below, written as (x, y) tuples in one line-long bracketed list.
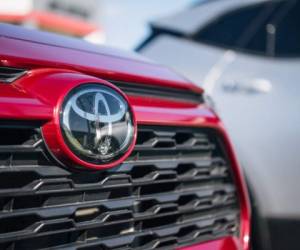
[(246, 55)]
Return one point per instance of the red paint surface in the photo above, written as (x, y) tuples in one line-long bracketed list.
[(35, 50), (228, 243), (37, 96)]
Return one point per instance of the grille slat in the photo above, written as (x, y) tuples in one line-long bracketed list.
[(183, 234), (153, 206), (58, 226), (8, 74), (139, 89), (175, 189), (43, 200)]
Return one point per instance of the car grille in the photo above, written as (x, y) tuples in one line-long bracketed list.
[(139, 89), (175, 189), (9, 75)]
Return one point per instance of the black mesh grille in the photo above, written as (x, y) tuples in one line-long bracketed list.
[(174, 190), (140, 89)]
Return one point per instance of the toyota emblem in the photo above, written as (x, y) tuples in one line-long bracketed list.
[(97, 123)]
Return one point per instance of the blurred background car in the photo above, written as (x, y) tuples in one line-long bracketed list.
[(246, 56)]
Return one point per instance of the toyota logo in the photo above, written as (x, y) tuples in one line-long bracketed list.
[(97, 123)]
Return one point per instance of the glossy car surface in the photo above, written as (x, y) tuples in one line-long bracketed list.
[(53, 64), (245, 54)]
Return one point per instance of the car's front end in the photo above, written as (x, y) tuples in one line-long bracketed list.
[(99, 150)]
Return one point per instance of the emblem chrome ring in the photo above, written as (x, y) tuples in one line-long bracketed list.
[(97, 123)]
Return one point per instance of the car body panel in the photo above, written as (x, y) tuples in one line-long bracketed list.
[(26, 53), (41, 37), (228, 243), (189, 56), (272, 124)]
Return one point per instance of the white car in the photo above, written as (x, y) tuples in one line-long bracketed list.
[(246, 54)]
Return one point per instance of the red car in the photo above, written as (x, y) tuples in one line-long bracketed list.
[(100, 149)]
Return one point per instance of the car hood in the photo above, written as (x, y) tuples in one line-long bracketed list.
[(21, 47), (42, 37)]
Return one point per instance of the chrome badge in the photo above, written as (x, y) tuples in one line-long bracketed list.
[(97, 123)]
